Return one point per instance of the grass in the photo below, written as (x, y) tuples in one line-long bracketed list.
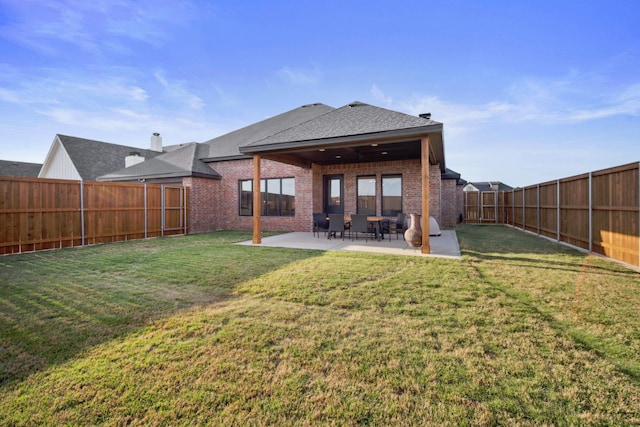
[(194, 330)]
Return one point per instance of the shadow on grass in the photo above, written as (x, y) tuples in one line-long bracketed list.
[(55, 305), (493, 247), (547, 264)]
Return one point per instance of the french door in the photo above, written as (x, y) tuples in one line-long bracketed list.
[(334, 194)]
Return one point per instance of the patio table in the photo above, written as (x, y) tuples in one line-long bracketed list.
[(377, 220)]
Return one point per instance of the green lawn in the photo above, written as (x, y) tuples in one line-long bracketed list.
[(194, 330)]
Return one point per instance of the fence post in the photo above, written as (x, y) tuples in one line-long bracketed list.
[(638, 214), (558, 216), (524, 216), (82, 212), (186, 216), (590, 212), (162, 204), (538, 207), (146, 217), (513, 206)]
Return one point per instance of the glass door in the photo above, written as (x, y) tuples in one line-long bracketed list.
[(333, 194)]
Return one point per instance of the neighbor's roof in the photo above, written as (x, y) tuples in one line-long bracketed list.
[(96, 158), (486, 186), (451, 174), (181, 162), (11, 168), (226, 147), (353, 119)]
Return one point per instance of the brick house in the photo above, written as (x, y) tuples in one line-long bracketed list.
[(357, 158)]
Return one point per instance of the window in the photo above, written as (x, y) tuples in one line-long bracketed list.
[(278, 197), (246, 197), (366, 195), (391, 195)]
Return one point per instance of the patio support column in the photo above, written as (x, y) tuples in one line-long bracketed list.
[(257, 201), (426, 247)]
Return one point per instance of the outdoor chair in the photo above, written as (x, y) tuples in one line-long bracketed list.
[(360, 224), (385, 228), (336, 225), (320, 223), (400, 226)]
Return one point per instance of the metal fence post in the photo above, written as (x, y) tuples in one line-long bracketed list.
[(162, 203), (524, 213), (513, 206), (538, 207), (146, 216), (558, 216), (590, 211), (82, 211)]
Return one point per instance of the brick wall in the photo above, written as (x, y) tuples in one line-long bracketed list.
[(217, 208), (201, 203), (226, 201), (450, 208)]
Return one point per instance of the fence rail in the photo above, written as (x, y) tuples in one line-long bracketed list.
[(597, 211), (38, 214)]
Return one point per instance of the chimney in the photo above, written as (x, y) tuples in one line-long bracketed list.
[(133, 158), (156, 142), (425, 116)]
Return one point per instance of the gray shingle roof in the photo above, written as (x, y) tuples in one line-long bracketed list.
[(227, 146), (10, 168), (96, 158), (356, 118), (486, 186), (181, 162)]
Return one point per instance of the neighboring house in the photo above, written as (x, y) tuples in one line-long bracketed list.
[(487, 186), (85, 159), (11, 168), (355, 159)]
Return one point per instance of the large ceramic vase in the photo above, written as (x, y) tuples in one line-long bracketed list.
[(413, 235)]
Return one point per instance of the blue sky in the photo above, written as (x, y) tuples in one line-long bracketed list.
[(527, 91)]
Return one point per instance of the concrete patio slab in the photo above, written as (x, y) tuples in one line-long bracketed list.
[(443, 246)]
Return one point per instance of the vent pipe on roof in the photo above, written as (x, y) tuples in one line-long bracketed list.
[(425, 116), (156, 142)]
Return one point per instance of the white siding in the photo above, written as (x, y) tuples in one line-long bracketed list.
[(58, 164)]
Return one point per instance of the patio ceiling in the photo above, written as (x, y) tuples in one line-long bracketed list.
[(377, 147)]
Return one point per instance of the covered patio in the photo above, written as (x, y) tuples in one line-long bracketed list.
[(443, 246), (355, 134)]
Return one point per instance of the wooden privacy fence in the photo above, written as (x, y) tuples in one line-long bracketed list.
[(597, 211), (38, 214)]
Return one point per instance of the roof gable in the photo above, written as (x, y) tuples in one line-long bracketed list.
[(96, 158)]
